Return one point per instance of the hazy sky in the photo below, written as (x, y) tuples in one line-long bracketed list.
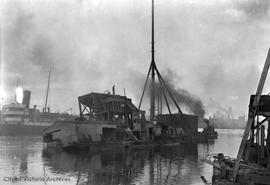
[(216, 47)]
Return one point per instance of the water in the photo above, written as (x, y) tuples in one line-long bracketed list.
[(24, 158)]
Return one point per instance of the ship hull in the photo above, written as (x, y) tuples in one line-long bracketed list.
[(21, 130), (70, 134), (96, 136)]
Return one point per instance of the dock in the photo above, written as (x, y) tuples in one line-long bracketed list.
[(252, 164)]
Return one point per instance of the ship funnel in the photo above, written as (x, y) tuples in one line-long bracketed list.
[(26, 98), (113, 89)]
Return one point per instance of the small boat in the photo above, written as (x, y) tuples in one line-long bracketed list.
[(209, 132)]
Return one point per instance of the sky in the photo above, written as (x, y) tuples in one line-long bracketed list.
[(215, 49)]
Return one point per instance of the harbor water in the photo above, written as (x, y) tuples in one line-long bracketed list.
[(23, 160)]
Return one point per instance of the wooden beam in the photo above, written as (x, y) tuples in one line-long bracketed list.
[(162, 82), (169, 92), (145, 84), (164, 94), (259, 124), (80, 108)]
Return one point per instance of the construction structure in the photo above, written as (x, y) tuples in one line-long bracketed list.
[(106, 120), (252, 164), (160, 93), (113, 120), (115, 109)]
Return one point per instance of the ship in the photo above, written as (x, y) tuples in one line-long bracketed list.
[(108, 120), (209, 131), (18, 119)]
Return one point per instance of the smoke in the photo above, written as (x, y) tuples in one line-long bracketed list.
[(19, 94), (255, 9), (218, 48), (73, 40), (183, 97), (214, 107)]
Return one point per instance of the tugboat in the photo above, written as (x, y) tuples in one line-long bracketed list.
[(209, 131)]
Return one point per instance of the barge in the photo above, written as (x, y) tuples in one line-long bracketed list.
[(109, 120)]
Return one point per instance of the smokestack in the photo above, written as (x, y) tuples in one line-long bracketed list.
[(113, 89), (26, 98)]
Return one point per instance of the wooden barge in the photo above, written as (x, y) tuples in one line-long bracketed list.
[(109, 120)]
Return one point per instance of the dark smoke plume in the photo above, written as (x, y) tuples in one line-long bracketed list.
[(182, 96), (185, 98), (91, 45)]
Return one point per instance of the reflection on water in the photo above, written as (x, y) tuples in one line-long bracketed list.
[(157, 166), (24, 156)]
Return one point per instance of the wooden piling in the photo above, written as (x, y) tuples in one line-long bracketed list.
[(262, 152)]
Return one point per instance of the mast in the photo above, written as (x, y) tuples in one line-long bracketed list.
[(153, 70), (152, 103), (47, 92)]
